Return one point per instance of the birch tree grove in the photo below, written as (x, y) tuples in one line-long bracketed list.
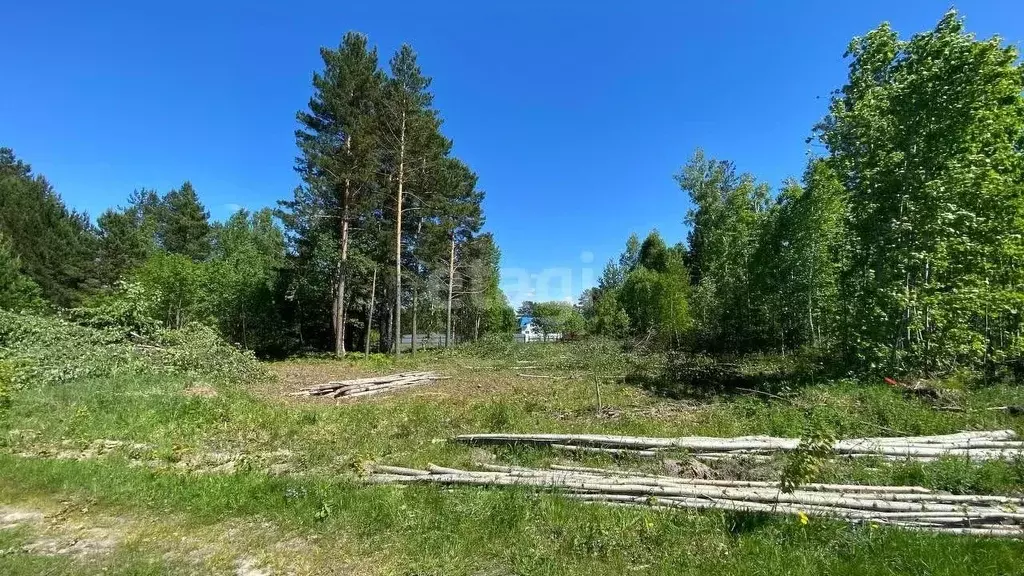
[(901, 250), (927, 137)]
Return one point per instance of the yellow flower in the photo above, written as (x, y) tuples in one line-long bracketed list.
[(803, 517)]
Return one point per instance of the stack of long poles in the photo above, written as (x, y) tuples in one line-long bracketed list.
[(370, 385), (984, 445), (906, 506)]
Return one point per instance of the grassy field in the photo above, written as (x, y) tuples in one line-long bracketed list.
[(179, 474)]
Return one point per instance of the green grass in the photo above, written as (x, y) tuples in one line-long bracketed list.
[(162, 479), (425, 531)]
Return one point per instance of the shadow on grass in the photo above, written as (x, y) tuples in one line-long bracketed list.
[(699, 377), (740, 523)]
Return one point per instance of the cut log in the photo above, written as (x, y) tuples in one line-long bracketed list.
[(369, 385), (991, 445), (908, 507)]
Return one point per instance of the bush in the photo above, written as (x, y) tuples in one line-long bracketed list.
[(47, 350), (125, 311), (199, 349), (6, 385), (489, 346)]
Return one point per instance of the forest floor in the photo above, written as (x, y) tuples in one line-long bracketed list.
[(178, 475)]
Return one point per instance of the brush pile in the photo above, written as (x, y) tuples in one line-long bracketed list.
[(984, 445), (370, 385), (910, 507)]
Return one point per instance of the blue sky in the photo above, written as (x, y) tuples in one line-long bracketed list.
[(574, 114)]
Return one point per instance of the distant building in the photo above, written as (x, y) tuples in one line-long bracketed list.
[(530, 332)]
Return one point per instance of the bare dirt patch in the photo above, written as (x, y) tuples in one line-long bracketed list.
[(276, 462), (64, 531), (83, 542), (200, 391), (11, 517)]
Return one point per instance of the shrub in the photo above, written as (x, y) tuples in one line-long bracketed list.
[(47, 350), (6, 384)]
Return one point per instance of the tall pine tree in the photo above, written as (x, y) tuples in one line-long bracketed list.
[(339, 154)]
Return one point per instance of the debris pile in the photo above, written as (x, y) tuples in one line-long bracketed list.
[(370, 385)]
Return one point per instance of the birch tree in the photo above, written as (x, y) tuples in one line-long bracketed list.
[(926, 136)]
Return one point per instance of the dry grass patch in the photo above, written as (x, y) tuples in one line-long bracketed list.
[(90, 539)]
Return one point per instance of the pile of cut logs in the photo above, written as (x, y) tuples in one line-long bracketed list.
[(910, 507), (370, 385), (983, 445)]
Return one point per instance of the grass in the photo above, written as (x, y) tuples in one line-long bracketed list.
[(208, 481)]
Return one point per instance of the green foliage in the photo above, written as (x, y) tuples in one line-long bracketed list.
[(495, 345), (249, 251), (184, 224), (496, 528), (926, 135), (655, 295), (898, 252), (56, 246), (127, 236), (17, 291), (804, 464), (367, 139), (797, 262), (556, 317), (340, 155), (382, 198), (646, 294), (609, 318), (179, 288), (198, 349), (481, 306), (6, 387), (44, 351), (127, 311), (895, 253), (726, 223)]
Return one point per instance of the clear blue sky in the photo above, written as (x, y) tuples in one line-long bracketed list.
[(574, 114)]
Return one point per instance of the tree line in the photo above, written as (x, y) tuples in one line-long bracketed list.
[(900, 249), (387, 221)]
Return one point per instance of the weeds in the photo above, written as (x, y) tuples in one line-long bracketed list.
[(805, 463)]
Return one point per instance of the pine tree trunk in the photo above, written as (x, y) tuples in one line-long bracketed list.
[(398, 241), (298, 321), (451, 280), (339, 328), (336, 305), (415, 297), (369, 312), (386, 319)]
